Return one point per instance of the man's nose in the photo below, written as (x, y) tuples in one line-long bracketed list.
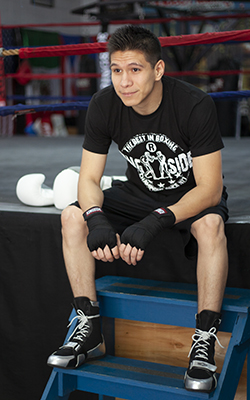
[(125, 80)]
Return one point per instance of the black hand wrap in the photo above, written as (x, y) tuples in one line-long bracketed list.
[(101, 232), (141, 233)]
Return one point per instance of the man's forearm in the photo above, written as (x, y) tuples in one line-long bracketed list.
[(89, 194), (195, 201)]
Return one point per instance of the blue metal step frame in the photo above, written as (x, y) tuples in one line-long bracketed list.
[(162, 303)]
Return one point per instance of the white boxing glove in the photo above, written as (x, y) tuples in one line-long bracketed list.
[(66, 182), (31, 191), (65, 187)]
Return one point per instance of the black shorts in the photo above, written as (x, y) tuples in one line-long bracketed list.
[(125, 204)]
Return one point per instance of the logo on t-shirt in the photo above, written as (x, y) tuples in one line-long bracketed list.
[(161, 164)]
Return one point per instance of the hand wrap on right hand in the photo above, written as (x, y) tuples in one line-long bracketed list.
[(101, 232)]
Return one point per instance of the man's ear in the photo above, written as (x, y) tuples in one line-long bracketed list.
[(159, 70)]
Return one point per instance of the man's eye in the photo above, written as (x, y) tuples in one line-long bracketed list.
[(116, 70), (136, 69)]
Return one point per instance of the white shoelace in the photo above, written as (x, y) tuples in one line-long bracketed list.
[(201, 342), (82, 326)]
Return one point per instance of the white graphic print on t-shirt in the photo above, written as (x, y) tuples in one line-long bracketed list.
[(161, 164)]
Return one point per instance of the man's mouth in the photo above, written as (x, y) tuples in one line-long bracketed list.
[(128, 94)]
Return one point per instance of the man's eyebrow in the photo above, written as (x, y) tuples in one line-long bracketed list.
[(130, 64)]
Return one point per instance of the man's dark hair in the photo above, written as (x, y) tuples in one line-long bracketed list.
[(131, 37)]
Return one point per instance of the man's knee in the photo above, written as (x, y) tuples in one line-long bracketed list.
[(72, 220), (209, 227)]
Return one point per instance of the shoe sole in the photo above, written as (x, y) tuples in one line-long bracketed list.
[(98, 352), (200, 385)]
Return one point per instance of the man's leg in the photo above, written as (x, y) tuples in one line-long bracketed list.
[(79, 263), (86, 341), (212, 261), (212, 270)]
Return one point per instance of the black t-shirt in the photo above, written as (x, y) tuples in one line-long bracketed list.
[(158, 147)]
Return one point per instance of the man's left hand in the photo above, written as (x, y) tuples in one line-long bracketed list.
[(136, 237), (129, 254)]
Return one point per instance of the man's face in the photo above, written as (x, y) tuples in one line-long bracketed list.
[(135, 81)]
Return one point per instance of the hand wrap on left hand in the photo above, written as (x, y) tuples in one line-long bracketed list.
[(141, 233)]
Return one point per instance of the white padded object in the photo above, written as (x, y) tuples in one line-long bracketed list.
[(66, 182), (106, 181), (65, 188), (29, 191)]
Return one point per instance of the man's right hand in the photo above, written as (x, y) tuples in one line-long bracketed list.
[(102, 239)]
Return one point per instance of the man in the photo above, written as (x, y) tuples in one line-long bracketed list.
[(147, 115)]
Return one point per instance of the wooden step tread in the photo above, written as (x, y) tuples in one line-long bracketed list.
[(114, 376), (163, 302), (165, 291)]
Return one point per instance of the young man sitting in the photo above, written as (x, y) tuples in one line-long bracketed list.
[(167, 131)]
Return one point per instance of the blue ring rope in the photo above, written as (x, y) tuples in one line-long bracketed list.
[(20, 109), (21, 97)]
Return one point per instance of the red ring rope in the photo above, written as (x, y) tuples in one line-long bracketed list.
[(64, 50), (90, 48)]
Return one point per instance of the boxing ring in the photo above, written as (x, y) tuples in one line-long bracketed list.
[(35, 292)]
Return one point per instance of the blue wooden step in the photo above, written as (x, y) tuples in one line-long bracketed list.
[(128, 379), (163, 303)]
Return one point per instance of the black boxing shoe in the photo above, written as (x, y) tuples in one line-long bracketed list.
[(201, 373), (86, 342)]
